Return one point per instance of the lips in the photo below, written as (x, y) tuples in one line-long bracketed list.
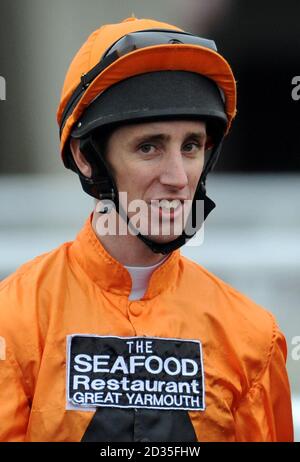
[(167, 209)]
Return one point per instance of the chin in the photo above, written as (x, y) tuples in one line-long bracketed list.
[(163, 239)]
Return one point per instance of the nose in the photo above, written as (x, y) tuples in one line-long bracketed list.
[(173, 172)]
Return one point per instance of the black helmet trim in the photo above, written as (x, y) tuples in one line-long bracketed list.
[(163, 94)]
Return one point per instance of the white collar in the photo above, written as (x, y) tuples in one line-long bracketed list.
[(140, 276)]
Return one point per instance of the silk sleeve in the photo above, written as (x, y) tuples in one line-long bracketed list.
[(265, 413)]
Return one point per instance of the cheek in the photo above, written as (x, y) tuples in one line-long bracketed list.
[(133, 180), (194, 175), (194, 182), (121, 173)]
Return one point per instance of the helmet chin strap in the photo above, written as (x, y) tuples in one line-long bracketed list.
[(102, 186)]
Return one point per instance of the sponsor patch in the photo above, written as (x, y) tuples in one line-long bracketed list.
[(134, 372)]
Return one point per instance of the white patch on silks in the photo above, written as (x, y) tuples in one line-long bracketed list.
[(2, 349), (134, 372)]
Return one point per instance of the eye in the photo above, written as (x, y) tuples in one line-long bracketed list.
[(189, 147), (146, 148)]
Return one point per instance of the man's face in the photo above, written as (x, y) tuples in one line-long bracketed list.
[(158, 161)]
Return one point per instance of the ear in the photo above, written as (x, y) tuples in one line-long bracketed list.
[(79, 158)]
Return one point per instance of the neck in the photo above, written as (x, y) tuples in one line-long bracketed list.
[(128, 249)]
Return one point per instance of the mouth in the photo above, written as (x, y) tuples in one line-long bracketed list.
[(167, 204), (167, 208)]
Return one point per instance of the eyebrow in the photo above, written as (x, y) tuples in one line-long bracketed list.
[(163, 137)]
